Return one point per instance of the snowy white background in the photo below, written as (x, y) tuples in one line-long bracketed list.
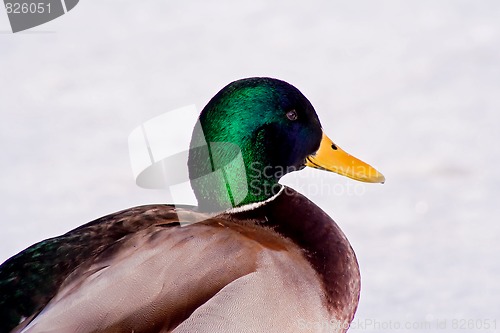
[(412, 87)]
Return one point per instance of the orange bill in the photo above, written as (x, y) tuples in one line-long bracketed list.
[(330, 157)]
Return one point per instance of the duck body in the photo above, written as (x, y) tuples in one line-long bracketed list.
[(253, 256), (106, 279)]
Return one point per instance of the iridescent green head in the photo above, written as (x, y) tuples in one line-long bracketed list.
[(257, 130)]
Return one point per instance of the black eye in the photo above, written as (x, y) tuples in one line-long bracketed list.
[(292, 115)]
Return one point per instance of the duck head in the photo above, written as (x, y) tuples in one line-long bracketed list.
[(253, 132)]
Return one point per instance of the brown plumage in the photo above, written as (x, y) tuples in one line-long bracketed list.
[(216, 275)]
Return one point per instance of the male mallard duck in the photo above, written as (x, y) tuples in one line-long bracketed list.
[(275, 262)]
